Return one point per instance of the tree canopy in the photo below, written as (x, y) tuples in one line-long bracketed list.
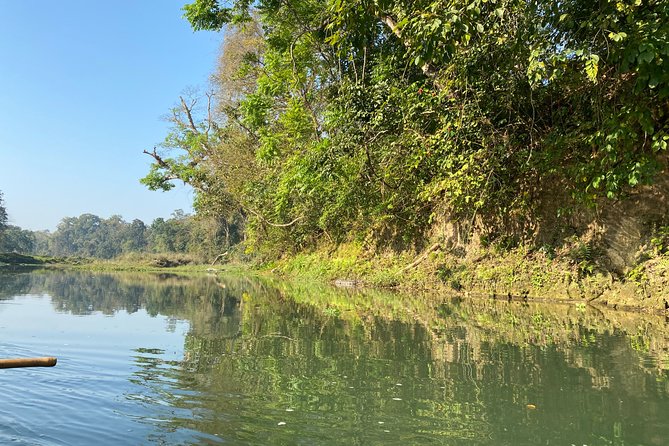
[(335, 119)]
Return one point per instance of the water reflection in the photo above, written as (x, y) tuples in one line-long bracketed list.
[(267, 363)]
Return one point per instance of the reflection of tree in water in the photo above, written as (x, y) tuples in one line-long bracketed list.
[(15, 282), (172, 295), (457, 383), (467, 370)]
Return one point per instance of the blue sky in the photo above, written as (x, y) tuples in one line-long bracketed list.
[(83, 86)]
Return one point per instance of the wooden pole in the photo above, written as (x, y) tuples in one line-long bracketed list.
[(27, 362)]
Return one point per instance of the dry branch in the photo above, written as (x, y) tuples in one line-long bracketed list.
[(422, 257)]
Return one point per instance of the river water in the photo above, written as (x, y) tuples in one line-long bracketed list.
[(169, 360)]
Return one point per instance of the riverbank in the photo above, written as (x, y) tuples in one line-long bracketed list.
[(22, 260), (139, 263), (574, 275), (517, 274)]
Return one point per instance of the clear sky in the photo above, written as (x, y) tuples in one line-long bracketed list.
[(83, 86)]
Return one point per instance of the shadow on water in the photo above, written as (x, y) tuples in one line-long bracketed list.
[(279, 363)]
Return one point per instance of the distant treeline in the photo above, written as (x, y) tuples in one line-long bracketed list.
[(91, 236)]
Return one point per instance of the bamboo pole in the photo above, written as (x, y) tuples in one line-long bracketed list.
[(27, 362)]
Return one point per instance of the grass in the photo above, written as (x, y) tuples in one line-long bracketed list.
[(572, 275), (11, 258), (174, 263)]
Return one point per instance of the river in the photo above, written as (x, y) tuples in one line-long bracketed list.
[(171, 360)]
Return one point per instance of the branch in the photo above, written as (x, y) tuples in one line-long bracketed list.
[(218, 257), (209, 119), (302, 89), (276, 225), (232, 112), (188, 110), (310, 30), (427, 68), (166, 176), (158, 158), (422, 257)]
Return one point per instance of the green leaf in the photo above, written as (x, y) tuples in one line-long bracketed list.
[(646, 56), (592, 67), (617, 37)]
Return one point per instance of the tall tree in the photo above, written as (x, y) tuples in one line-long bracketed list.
[(135, 237)]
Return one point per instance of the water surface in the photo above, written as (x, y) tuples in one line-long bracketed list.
[(149, 359)]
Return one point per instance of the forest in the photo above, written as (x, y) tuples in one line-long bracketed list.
[(394, 123), (91, 236)]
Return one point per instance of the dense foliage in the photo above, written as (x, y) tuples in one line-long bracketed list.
[(333, 119)]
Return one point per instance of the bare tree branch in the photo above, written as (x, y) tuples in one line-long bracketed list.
[(210, 95), (276, 225), (158, 158), (189, 113), (161, 162)]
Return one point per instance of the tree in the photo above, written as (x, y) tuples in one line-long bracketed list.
[(171, 235), (3, 214), (134, 237), (15, 239), (3, 225), (43, 243), (90, 236), (384, 116), (209, 146)]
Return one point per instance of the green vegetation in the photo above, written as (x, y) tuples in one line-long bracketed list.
[(522, 142), (19, 259), (178, 238), (384, 120)]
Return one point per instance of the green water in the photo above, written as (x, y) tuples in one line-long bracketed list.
[(147, 359)]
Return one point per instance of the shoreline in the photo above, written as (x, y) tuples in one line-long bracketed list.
[(513, 276)]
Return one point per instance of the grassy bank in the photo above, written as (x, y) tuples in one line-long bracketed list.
[(140, 263), (572, 275), (18, 260)]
